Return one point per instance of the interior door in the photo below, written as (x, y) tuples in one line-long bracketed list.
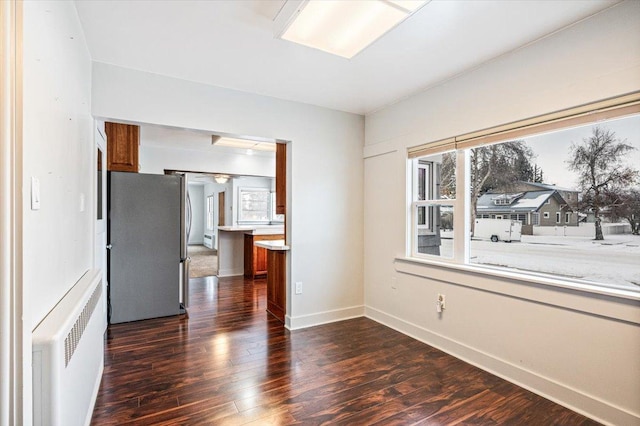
[(221, 209), (100, 248)]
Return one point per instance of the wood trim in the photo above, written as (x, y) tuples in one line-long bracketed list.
[(281, 178), (432, 148), (615, 107), (547, 123)]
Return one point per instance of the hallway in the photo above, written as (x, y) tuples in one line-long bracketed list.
[(231, 363)]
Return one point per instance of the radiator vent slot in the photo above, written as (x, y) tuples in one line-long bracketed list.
[(73, 338)]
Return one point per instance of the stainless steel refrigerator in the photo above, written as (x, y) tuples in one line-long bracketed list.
[(148, 231)]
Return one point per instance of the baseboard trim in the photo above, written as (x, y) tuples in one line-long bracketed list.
[(319, 318), (566, 396), (230, 272)]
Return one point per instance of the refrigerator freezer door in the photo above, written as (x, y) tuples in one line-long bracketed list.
[(144, 231)]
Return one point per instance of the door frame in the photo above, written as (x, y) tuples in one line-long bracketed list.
[(100, 225), (15, 341)]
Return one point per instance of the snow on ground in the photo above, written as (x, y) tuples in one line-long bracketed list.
[(614, 262)]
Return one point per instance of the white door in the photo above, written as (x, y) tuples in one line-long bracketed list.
[(100, 208)]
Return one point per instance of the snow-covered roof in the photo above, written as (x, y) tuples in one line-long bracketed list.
[(528, 201), (550, 187)]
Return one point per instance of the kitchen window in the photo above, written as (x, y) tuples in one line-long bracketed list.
[(254, 205), (519, 179)]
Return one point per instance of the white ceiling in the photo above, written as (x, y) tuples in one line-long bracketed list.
[(231, 44)]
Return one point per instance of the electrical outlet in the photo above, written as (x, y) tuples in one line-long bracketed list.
[(440, 303), (299, 287)]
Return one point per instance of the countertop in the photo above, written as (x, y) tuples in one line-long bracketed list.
[(255, 229), (272, 245)]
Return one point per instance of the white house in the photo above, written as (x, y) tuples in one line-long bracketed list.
[(347, 197)]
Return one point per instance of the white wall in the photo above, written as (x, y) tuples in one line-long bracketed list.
[(155, 159), (58, 150), (580, 349), (325, 178), (196, 195)]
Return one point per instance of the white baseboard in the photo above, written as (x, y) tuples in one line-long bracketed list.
[(230, 272), (566, 396), (304, 321)]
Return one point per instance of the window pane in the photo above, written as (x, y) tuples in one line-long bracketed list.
[(437, 177), (254, 205), (434, 232), (571, 199)]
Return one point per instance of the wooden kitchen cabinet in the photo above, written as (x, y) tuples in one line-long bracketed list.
[(122, 147), (281, 178), (276, 283), (255, 258)]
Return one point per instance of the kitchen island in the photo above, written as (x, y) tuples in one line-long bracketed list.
[(276, 277), (231, 246)]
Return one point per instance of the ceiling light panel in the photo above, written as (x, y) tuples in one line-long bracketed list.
[(243, 144), (344, 28)]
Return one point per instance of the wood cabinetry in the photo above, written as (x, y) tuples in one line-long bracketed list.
[(276, 283), (255, 258), (122, 147), (281, 178)]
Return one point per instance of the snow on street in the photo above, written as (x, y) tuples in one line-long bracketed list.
[(614, 261)]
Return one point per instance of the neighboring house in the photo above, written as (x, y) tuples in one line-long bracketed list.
[(569, 195), (533, 208)]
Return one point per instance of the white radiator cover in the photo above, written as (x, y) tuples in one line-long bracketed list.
[(68, 355), (209, 240)]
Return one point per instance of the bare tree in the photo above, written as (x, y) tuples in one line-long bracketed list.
[(498, 166), (627, 206), (599, 162)]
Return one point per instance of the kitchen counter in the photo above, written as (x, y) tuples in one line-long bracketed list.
[(273, 245), (231, 246), (254, 229)]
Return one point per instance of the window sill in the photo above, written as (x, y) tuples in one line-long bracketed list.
[(612, 303)]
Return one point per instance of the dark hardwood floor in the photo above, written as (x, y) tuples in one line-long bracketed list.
[(231, 363)]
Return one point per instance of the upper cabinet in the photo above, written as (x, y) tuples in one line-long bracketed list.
[(122, 147), (281, 178)]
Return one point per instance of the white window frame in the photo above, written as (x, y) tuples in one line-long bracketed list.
[(460, 246), (625, 105), (210, 212), (558, 217), (567, 217), (545, 215)]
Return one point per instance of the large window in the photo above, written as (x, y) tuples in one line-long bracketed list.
[(564, 204)]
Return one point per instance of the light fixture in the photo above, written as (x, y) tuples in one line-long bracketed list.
[(221, 178), (245, 144), (340, 27)]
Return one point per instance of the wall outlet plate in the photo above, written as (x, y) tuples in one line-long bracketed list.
[(299, 287)]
